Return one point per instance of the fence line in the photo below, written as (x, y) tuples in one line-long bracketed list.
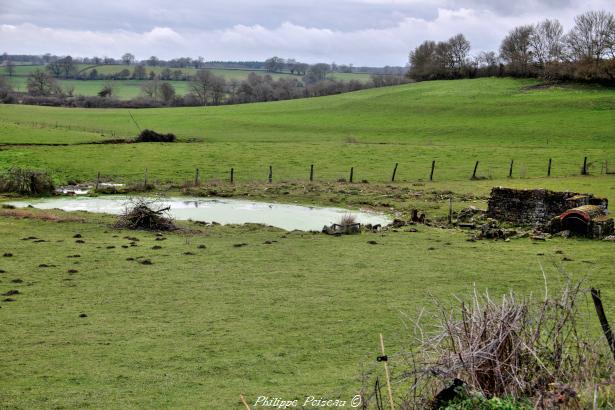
[(201, 175)]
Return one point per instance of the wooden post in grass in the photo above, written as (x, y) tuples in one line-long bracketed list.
[(433, 167), (604, 323), (394, 172), (270, 178), (549, 170), (311, 172), (475, 168), (584, 172), (351, 173), (97, 181), (145, 179), (196, 177), (450, 210), (512, 163), (232, 175), (384, 359)]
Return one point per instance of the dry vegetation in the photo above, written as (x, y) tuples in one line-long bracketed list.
[(522, 349), (146, 214)]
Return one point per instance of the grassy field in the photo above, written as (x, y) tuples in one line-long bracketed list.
[(453, 123), (295, 318), (127, 89), (301, 315)]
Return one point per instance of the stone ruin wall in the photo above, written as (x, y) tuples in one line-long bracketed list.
[(535, 206)]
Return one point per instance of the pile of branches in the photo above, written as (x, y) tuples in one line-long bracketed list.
[(540, 351), (152, 136), (26, 182), (146, 214)]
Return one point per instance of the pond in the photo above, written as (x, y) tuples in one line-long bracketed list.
[(221, 210)]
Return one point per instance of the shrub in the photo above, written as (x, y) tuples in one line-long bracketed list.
[(26, 182), (153, 136)]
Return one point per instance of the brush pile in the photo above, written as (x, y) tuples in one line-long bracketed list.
[(146, 214)]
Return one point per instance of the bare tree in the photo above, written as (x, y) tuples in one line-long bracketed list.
[(153, 61), (218, 85), (167, 92), (128, 58), (546, 42), (5, 88), (41, 83), (151, 89), (422, 61), (515, 49), (593, 36), (459, 49), (200, 86)]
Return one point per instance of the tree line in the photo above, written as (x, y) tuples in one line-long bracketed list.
[(542, 50), (204, 88)]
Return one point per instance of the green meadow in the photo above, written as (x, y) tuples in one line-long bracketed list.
[(288, 314), (453, 123)]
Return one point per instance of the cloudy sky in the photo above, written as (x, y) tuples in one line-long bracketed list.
[(362, 32)]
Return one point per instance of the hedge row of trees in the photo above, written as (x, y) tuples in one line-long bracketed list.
[(585, 53), (204, 88)]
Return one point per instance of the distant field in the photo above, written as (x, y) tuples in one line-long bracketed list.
[(123, 89), (454, 123), (127, 89)]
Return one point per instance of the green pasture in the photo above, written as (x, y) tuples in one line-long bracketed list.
[(289, 314), (454, 123), (197, 327)]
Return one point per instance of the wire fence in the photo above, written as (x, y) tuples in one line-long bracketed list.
[(399, 172)]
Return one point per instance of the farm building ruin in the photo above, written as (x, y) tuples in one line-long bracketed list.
[(580, 214)]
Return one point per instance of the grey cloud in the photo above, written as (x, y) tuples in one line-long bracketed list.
[(363, 32)]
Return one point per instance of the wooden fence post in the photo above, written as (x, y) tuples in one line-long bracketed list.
[(475, 168), (351, 173), (270, 174), (450, 210), (549, 170), (311, 172), (512, 163), (232, 175), (394, 172), (386, 371), (196, 177), (97, 181), (433, 167), (145, 179), (604, 323), (584, 172)]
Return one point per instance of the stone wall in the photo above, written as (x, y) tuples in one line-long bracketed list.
[(535, 206)]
